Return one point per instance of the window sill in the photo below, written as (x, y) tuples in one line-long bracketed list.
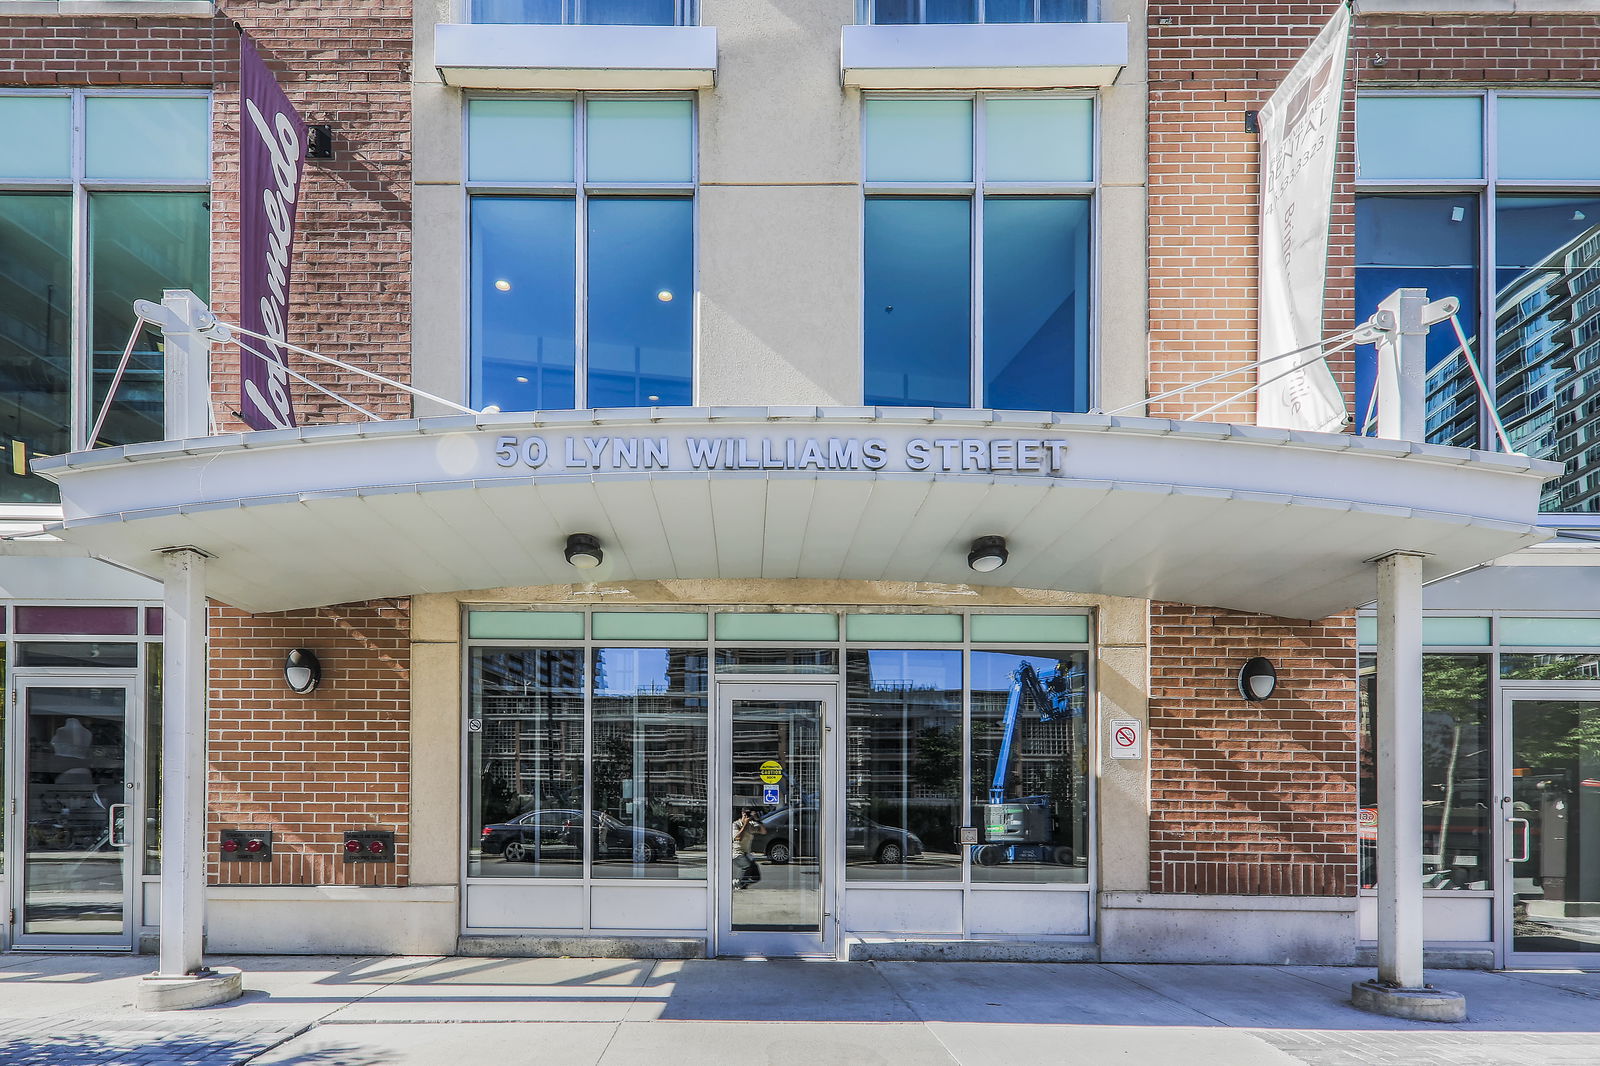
[(576, 57), (191, 8), (1476, 7), (1034, 56)]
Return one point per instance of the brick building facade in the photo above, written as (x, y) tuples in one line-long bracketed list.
[(1246, 810)]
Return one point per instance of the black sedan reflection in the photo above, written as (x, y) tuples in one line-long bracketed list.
[(553, 835), (789, 837)]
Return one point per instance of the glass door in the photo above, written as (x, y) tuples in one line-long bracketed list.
[(1551, 829), (775, 829), (72, 880)]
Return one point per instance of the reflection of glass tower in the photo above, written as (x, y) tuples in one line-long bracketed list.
[(1547, 366)]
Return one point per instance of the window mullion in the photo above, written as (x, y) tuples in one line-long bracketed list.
[(81, 390), (580, 367), (979, 144), (1488, 254)]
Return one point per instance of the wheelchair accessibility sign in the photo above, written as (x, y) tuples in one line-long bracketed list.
[(769, 794)]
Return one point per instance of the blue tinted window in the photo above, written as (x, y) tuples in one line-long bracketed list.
[(1036, 303), (1063, 10), (1008, 11), (1426, 242), (641, 302), (947, 11), (894, 12), (628, 12), (586, 12), (918, 320), (1547, 274), (523, 293)]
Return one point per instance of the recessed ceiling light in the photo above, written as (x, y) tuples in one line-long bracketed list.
[(503, 285)]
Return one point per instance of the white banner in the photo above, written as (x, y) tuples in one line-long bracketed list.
[(1299, 135)]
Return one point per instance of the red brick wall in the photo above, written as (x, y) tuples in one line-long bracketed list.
[(1251, 798), (1208, 64), (1496, 51), (305, 768), (310, 767)]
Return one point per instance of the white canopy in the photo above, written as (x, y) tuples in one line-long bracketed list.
[(1263, 520)]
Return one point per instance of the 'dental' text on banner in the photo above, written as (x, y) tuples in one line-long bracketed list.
[(1299, 137), (272, 151)]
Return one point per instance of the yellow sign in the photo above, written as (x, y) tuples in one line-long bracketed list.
[(771, 772)]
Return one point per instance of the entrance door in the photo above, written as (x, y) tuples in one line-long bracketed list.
[(72, 873), (1551, 802), (775, 867)]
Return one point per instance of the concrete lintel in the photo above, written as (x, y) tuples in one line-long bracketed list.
[(1416, 1004), (1055, 55), (576, 57), (203, 989)]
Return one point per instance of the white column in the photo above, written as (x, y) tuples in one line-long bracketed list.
[(1403, 366), (1399, 728), (183, 764), (187, 364)]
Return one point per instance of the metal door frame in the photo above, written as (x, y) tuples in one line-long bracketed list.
[(1506, 838), (830, 823), (21, 681)]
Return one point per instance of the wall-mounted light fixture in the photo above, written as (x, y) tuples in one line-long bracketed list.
[(302, 671), (583, 551), (988, 554), (1257, 680)]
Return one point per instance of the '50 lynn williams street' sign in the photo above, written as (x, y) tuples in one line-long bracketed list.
[(596, 452)]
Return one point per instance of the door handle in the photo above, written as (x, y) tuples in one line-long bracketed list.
[(117, 825), (1527, 843)]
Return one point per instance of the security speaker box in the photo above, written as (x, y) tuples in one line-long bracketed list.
[(246, 845), (369, 845)]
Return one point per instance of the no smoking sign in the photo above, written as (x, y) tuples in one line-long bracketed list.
[(1126, 738)]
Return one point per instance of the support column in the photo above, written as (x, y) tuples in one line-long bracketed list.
[(182, 980), (1400, 990), (1402, 365)]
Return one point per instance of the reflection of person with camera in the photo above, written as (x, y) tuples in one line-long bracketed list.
[(745, 831)]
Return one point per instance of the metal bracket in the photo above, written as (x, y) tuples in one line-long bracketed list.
[(1383, 322)]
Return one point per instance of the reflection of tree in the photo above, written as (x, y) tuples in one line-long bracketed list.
[(613, 764), (936, 766), (497, 801)]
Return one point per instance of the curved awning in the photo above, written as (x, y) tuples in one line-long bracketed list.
[(1263, 520)]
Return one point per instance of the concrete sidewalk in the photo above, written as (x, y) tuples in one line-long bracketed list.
[(343, 1011)]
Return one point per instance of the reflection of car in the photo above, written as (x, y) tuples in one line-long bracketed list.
[(789, 837), (552, 834)]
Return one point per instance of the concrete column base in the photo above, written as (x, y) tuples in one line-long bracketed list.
[(1417, 1004), (203, 989)]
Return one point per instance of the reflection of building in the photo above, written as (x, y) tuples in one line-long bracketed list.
[(1547, 373)]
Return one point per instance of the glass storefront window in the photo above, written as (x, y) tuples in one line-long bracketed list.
[(525, 762), (35, 338), (1427, 242), (649, 765), (903, 765), (1030, 769), (1457, 790), (777, 661)]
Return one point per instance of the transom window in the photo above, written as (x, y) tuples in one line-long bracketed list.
[(104, 202), (905, 12), (977, 251), (582, 246), (1493, 199)]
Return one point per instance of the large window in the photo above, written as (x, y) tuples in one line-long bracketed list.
[(582, 232), (1457, 772), (965, 740), (105, 205), (904, 12), (1509, 224), (588, 12), (903, 754), (977, 251)]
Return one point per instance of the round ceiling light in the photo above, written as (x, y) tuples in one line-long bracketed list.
[(988, 554), (583, 551)]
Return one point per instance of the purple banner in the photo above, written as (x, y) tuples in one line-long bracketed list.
[(272, 152)]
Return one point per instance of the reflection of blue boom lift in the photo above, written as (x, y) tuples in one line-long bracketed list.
[(1023, 829)]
